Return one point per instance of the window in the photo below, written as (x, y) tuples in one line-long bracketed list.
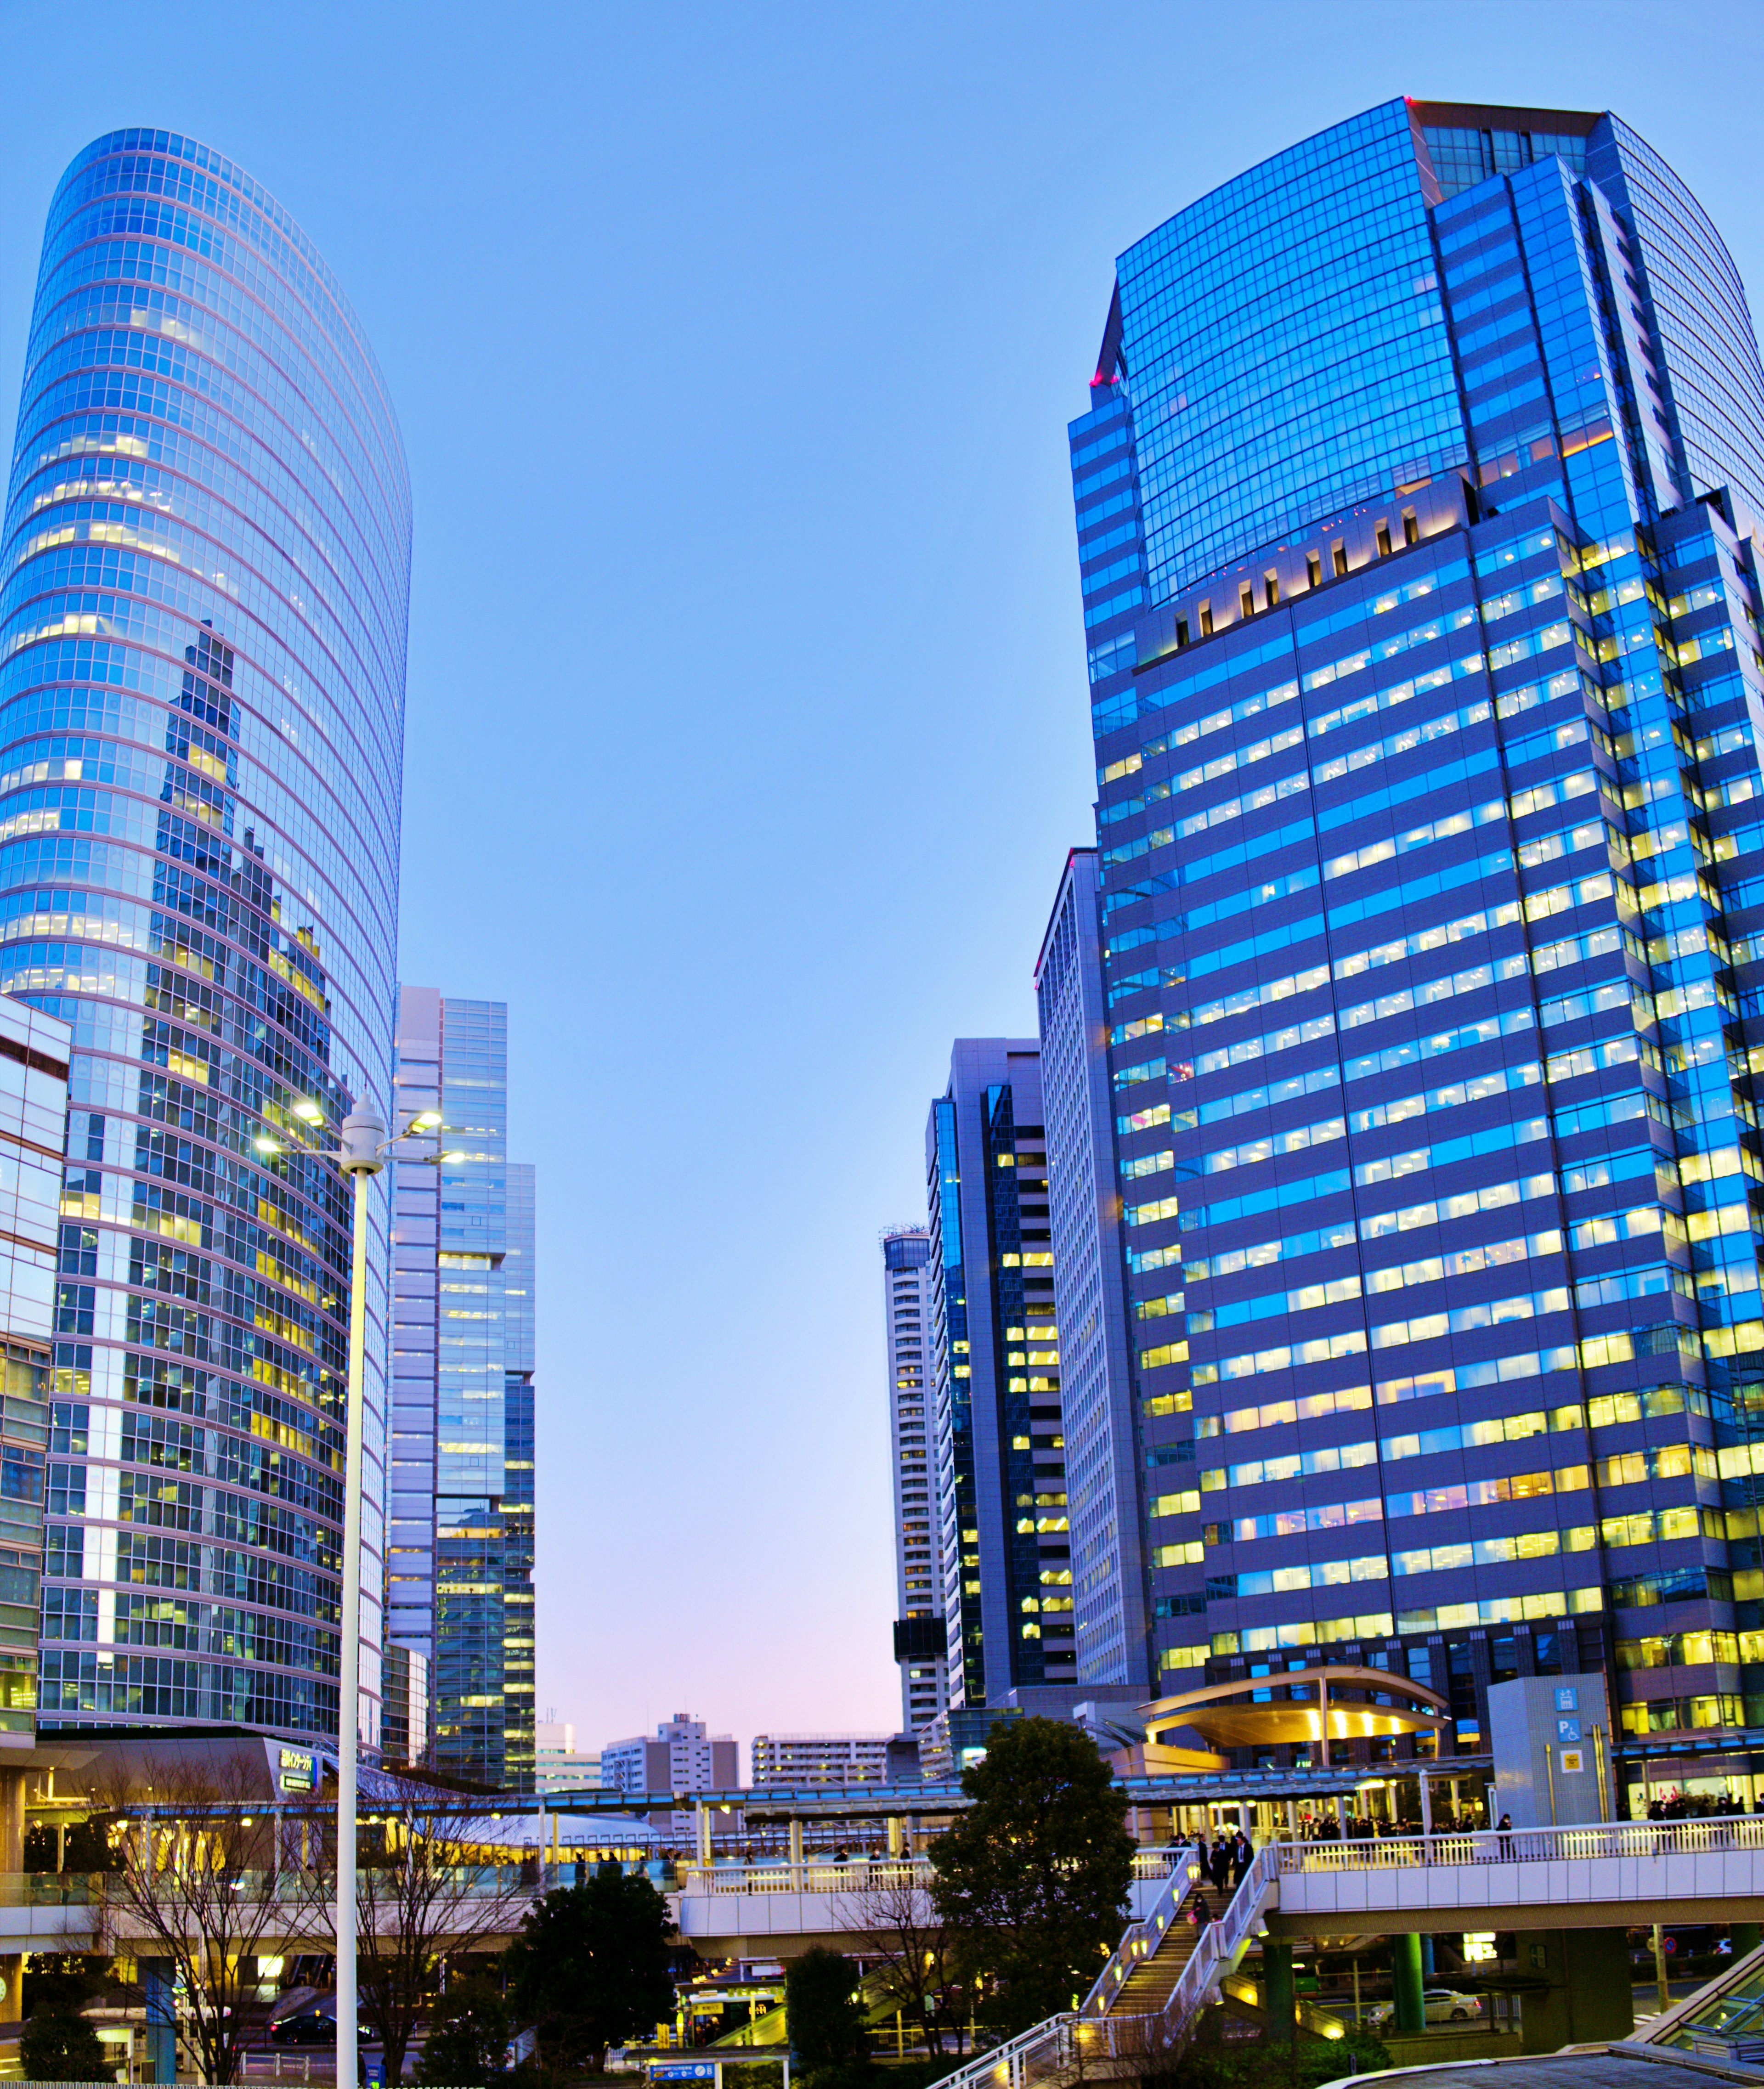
[(1338, 553), (1384, 540), (1246, 599), (1182, 631), (1206, 619), (1411, 528), (1274, 589), (1313, 570)]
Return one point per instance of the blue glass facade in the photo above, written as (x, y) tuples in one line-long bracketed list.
[(202, 662), (460, 1562), (1414, 511), (995, 1383)]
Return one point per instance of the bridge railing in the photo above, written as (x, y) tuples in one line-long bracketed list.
[(860, 1874), (1494, 1846), (1140, 1939)]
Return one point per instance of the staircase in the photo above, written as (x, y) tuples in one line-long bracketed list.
[(1151, 1978)]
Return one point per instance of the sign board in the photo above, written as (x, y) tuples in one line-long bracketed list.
[(691, 2070), (1573, 1760), (297, 1770)]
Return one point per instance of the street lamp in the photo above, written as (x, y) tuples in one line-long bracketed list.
[(361, 1155)]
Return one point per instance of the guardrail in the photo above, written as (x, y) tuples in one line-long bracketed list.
[(1140, 1939), (1615, 1839), (860, 1874)]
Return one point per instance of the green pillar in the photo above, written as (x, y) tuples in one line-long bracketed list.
[(1405, 1978), (1278, 1990), (1747, 1936)]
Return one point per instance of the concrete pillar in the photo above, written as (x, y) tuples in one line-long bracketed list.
[(1405, 1978), (894, 1835), (1292, 1821), (796, 1856), (161, 2019), (1585, 1997), (703, 1812), (1427, 1960), (1427, 1802), (1277, 1991), (1341, 1813)]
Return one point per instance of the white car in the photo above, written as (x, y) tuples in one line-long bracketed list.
[(1442, 2005)]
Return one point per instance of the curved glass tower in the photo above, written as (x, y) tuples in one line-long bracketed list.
[(202, 664)]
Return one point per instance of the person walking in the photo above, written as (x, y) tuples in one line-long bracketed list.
[(1242, 1856), (1506, 1839), (1219, 1864)]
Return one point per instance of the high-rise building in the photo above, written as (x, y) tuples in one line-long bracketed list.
[(404, 1729), (919, 1634), (562, 1766), (1415, 504), (202, 705), (995, 1380), (34, 1052), (820, 1759), (460, 1581), (1112, 1611), (684, 1756)]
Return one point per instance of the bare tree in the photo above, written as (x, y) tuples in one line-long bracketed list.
[(198, 1884), (427, 1886), (921, 1973)]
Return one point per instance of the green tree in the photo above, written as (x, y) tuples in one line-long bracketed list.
[(469, 2044), (59, 2045), (590, 1967), (821, 2010), (1033, 1878)]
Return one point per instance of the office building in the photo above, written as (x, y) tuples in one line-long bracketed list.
[(459, 1580), (34, 1051), (562, 1766), (820, 1759), (202, 705), (1111, 1613), (1415, 505), (919, 1632), (995, 1381), (404, 1727), (684, 1756)]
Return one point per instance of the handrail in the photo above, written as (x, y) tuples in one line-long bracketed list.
[(857, 1874), (1140, 1939), (1611, 1839)]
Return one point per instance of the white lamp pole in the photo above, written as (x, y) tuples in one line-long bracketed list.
[(360, 1158)]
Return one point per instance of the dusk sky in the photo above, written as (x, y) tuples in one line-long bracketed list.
[(734, 349)]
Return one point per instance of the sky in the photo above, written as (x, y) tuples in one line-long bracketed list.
[(733, 348)]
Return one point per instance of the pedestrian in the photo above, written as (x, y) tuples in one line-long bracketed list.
[(1506, 1839), (1199, 1913), (1219, 1864), (1242, 1856)]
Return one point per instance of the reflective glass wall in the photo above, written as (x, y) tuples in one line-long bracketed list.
[(202, 663)]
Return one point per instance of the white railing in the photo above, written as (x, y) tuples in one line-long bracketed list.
[(1139, 1940), (1064, 2045), (858, 1875), (1617, 1838)]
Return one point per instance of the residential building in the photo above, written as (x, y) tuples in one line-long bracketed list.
[(995, 1383), (207, 552), (820, 1759), (1415, 506), (34, 1052), (460, 1585), (1112, 1611), (919, 1631), (684, 1756), (404, 1732), (561, 1765)]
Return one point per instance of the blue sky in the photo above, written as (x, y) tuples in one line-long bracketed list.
[(733, 348)]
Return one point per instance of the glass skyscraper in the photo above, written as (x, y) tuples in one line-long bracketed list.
[(202, 664), (920, 1640), (995, 1384), (1415, 506), (460, 1585)]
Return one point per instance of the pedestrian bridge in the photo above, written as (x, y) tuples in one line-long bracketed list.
[(1534, 1878)]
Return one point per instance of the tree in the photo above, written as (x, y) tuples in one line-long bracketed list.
[(589, 1966), (1034, 1877), (921, 1975), (821, 2010), (59, 2047), (195, 1885), (470, 2042), (421, 1893)]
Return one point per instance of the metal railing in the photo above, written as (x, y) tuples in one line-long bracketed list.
[(1065, 2045), (858, 1875), (1616, 1838), (1139, 1940)]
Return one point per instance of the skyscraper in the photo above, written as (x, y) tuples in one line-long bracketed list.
[(919, 1633), (202, 704), (1415, 505), (460, 1584), (1007, 1598), (1111, 1613)]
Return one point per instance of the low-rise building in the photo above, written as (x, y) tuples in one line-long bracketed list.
[(820, 1759)]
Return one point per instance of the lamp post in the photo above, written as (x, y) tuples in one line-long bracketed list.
[(361, 1154)]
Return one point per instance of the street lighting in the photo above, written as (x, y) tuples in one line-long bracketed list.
[(361, 1155)]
